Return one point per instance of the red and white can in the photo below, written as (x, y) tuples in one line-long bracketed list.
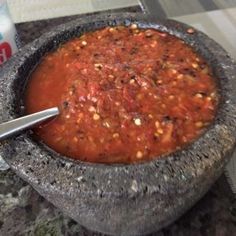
[(8, 35)]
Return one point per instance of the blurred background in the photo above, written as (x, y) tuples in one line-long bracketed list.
[(27, 10)]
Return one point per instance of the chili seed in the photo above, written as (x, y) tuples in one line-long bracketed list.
[(173, 71), (96, 116), (84, 43), (160, 131), (75, 139), (80, 116), (111, 29), (199, 124), (195, 65), (93, 99), (134, 26), (115, 135), (139, 96), (98, 65), (132, 81), (163, 106), (111, 76), (137, 121), (58, 139), (212, 95), (153, 44), (171, 97), (157, 124), (106, 124), (180, 76), (190, 31), (84, 71), (150, 116), (199, 95), (92, 109), (162, 34), (148, 33), (184, 139), (139, 154), (90, 139)]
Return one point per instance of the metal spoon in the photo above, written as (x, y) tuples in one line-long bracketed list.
[(13, 127)]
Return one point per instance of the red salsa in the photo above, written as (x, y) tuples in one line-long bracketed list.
[(125, 95)]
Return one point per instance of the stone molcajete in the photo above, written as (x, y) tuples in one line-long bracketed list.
[(117, 199)]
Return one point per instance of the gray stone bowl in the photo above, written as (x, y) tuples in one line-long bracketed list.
[(120, 199)]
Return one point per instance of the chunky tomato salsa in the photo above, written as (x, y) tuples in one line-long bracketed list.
[(125, 95)]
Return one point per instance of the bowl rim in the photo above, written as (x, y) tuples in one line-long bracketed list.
[(211, 150)]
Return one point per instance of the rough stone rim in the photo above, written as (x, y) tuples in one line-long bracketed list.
[(209, 152)]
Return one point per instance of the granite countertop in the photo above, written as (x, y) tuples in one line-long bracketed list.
[(24, 212)]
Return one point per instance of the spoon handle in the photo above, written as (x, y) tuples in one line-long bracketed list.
[(12, 127)]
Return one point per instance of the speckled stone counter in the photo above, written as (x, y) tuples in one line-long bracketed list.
[(24, 212)]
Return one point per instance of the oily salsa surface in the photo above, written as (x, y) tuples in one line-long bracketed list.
[(125, 95)]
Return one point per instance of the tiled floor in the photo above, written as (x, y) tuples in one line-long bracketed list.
[(173, 8), (28, 10)]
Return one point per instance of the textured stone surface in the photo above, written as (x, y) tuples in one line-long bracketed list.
[(31, 215), (177, 182)]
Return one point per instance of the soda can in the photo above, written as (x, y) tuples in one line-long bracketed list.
[(9, 43)]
